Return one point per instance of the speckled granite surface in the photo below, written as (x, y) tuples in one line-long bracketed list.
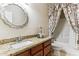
[(6, 50)]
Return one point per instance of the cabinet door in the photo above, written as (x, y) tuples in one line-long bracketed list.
[(47, 43), (47, 50), (25, 53), (40, 53), (36, 49)]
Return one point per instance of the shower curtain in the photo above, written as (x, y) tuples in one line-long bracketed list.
[(54, 14), (71, 12)]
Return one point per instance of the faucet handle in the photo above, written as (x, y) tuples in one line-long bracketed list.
[(16, 39), (20, 37)]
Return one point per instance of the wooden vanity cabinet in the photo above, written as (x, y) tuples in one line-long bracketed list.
[(47, 48), (43, 49), (25, 53), (40, 53), (37, 50)]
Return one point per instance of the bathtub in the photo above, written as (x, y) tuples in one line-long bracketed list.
[(70, 51)]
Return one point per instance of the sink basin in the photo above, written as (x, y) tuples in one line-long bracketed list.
[(4, 48), (21, 44)]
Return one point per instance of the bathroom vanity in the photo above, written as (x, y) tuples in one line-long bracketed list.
[(43, 49), (38, 47)]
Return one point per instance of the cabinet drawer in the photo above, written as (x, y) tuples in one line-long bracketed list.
[(47, 43), (40, 53), (36, 49), (49, 54), (25, 53), (47, 50)]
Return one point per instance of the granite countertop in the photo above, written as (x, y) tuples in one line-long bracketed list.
[(6, 50)]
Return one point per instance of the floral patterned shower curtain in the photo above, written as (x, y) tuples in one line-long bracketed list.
[(72, 14), (54, 14)]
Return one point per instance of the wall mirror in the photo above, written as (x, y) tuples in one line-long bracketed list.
[(14, 15)]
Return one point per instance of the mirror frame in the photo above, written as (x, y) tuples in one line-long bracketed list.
[(4, 19)]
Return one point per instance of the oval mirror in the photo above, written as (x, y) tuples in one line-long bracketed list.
[(14, 15)]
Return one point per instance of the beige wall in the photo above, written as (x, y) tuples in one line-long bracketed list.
[(38, 16)]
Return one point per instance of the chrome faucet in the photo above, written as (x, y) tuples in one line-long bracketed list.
[(18, 39)]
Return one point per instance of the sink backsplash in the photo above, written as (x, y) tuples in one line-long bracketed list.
[(3, 41)]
